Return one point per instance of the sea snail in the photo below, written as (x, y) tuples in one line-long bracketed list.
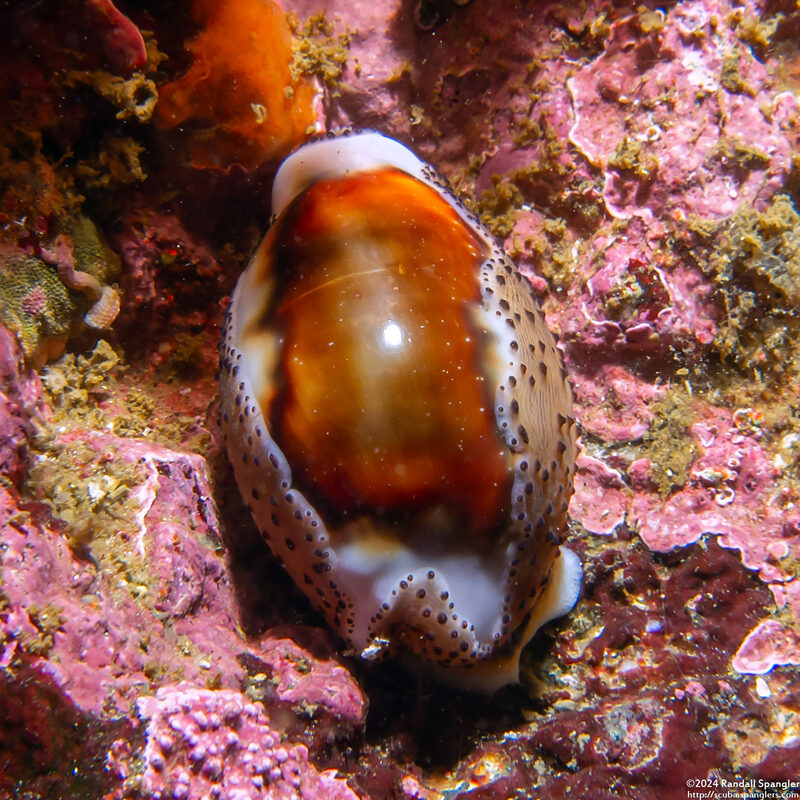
[(398, 416)]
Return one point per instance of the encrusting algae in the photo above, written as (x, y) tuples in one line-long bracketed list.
[(755, 263), (35, 304), (667, 443), (318, 50), (43, 294)]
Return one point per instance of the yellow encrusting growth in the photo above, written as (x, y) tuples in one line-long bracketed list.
[(318, 50)]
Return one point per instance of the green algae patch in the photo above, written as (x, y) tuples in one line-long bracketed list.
[(545, 182), (752, 30), (731, 75), (75, 383), (735, 152), (187, 360), (553, 252), (631, 157), (35, 305), (317, 50), (755, 264), (88, 392), (47, 620), (117, 164), (668, 443), (497, 206), (87, 491), (141, 410), (753, 260), (650, 21)]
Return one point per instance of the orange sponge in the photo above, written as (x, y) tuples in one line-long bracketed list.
[(239, 97)]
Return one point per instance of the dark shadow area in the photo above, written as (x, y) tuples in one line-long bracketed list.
[(37, 762)]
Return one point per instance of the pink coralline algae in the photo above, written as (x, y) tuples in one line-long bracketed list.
[(685, 119), (218, 744), (674, 117), (773, 642), (174, 529), (731, 492), (769, 645), (92, 655), (20, 396), (601, 497), (615, 402), (300, 678), (154, 601), (633, 300), (686, 125)]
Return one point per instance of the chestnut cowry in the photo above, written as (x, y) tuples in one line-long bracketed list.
[(398, 416)]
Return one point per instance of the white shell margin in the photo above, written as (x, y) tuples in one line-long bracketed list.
[(341, 155), (487, 676)]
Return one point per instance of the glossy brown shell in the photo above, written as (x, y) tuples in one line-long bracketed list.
[(388, 384)]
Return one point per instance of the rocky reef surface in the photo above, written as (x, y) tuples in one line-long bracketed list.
[(641, 163)]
